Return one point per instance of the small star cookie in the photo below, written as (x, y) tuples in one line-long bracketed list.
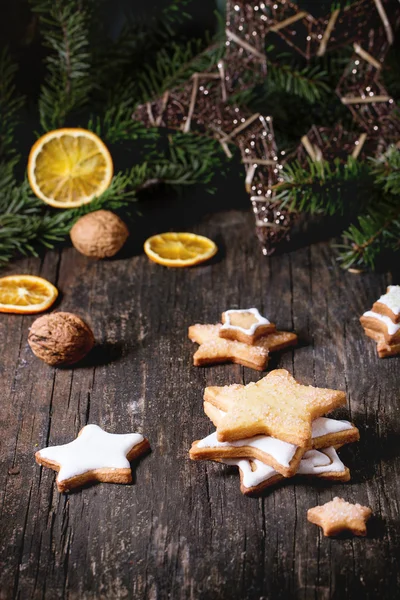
[(244, 325), (94, 455), (339, 515), (277, 405)]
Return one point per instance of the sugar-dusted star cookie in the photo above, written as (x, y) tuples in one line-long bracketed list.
[(244, 325), (281, 456), (277, 405), (389, 304), (339, 515), (324, 431), (255, 476), (93, 456), (214, 349)]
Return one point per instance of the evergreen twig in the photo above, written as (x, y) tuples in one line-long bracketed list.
[(64, 27), (10, 105)]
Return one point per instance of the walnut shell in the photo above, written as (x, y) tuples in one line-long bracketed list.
[(60, 338), (99, 234)]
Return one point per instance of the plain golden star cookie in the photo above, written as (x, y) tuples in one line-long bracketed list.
[(277, 405), (245, 325), (338, 515), (94, 455)]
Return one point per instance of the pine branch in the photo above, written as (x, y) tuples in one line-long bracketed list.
[(308, 83), (64, 27), (377, 232), (386, 169), (322, 187), (10, 105)]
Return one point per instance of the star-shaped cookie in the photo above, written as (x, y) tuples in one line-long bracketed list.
[(389, 303), (255, 476), (244, 325), (339, 515), (277, 405), (215, 349), (94, 455)]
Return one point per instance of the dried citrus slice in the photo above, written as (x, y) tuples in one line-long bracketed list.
[(179, 249), (26, 294), (69, 167)]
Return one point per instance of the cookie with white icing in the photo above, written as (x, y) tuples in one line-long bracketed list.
[(384, 350), (389, 304), (94, 455), (245, 325), (255, 476), (381, 324), (281, 456)]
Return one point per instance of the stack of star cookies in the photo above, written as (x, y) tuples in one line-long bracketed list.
[(382, 323), (274, 429), (244, 337)]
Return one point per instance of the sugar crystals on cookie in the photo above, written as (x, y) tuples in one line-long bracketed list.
[(338, 515), (94, 455), (276, 405), (244, 338), (274, 429)]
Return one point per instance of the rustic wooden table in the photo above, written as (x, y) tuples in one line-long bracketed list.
[(183, 530)]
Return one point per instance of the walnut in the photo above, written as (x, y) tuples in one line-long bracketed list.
[(99, 234), (60, 338)]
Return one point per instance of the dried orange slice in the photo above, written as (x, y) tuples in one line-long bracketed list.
[(179, 249), (69, 167), (26, 294)]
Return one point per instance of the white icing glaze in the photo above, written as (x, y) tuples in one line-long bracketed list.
[(392, 328), (282, 452), (325, 426), (252, 478), (392, 299), (251, 330), (93, 449), (314, 462)]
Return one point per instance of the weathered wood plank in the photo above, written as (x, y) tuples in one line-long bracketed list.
[(183, 530)]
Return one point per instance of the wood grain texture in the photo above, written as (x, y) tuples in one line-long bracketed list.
[(183, 531)]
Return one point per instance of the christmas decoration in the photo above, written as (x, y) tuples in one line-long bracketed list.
[(200, 93), (330, 143), (99, 234), (203, 103)]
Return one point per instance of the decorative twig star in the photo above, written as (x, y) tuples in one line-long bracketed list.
[(93, 456)]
